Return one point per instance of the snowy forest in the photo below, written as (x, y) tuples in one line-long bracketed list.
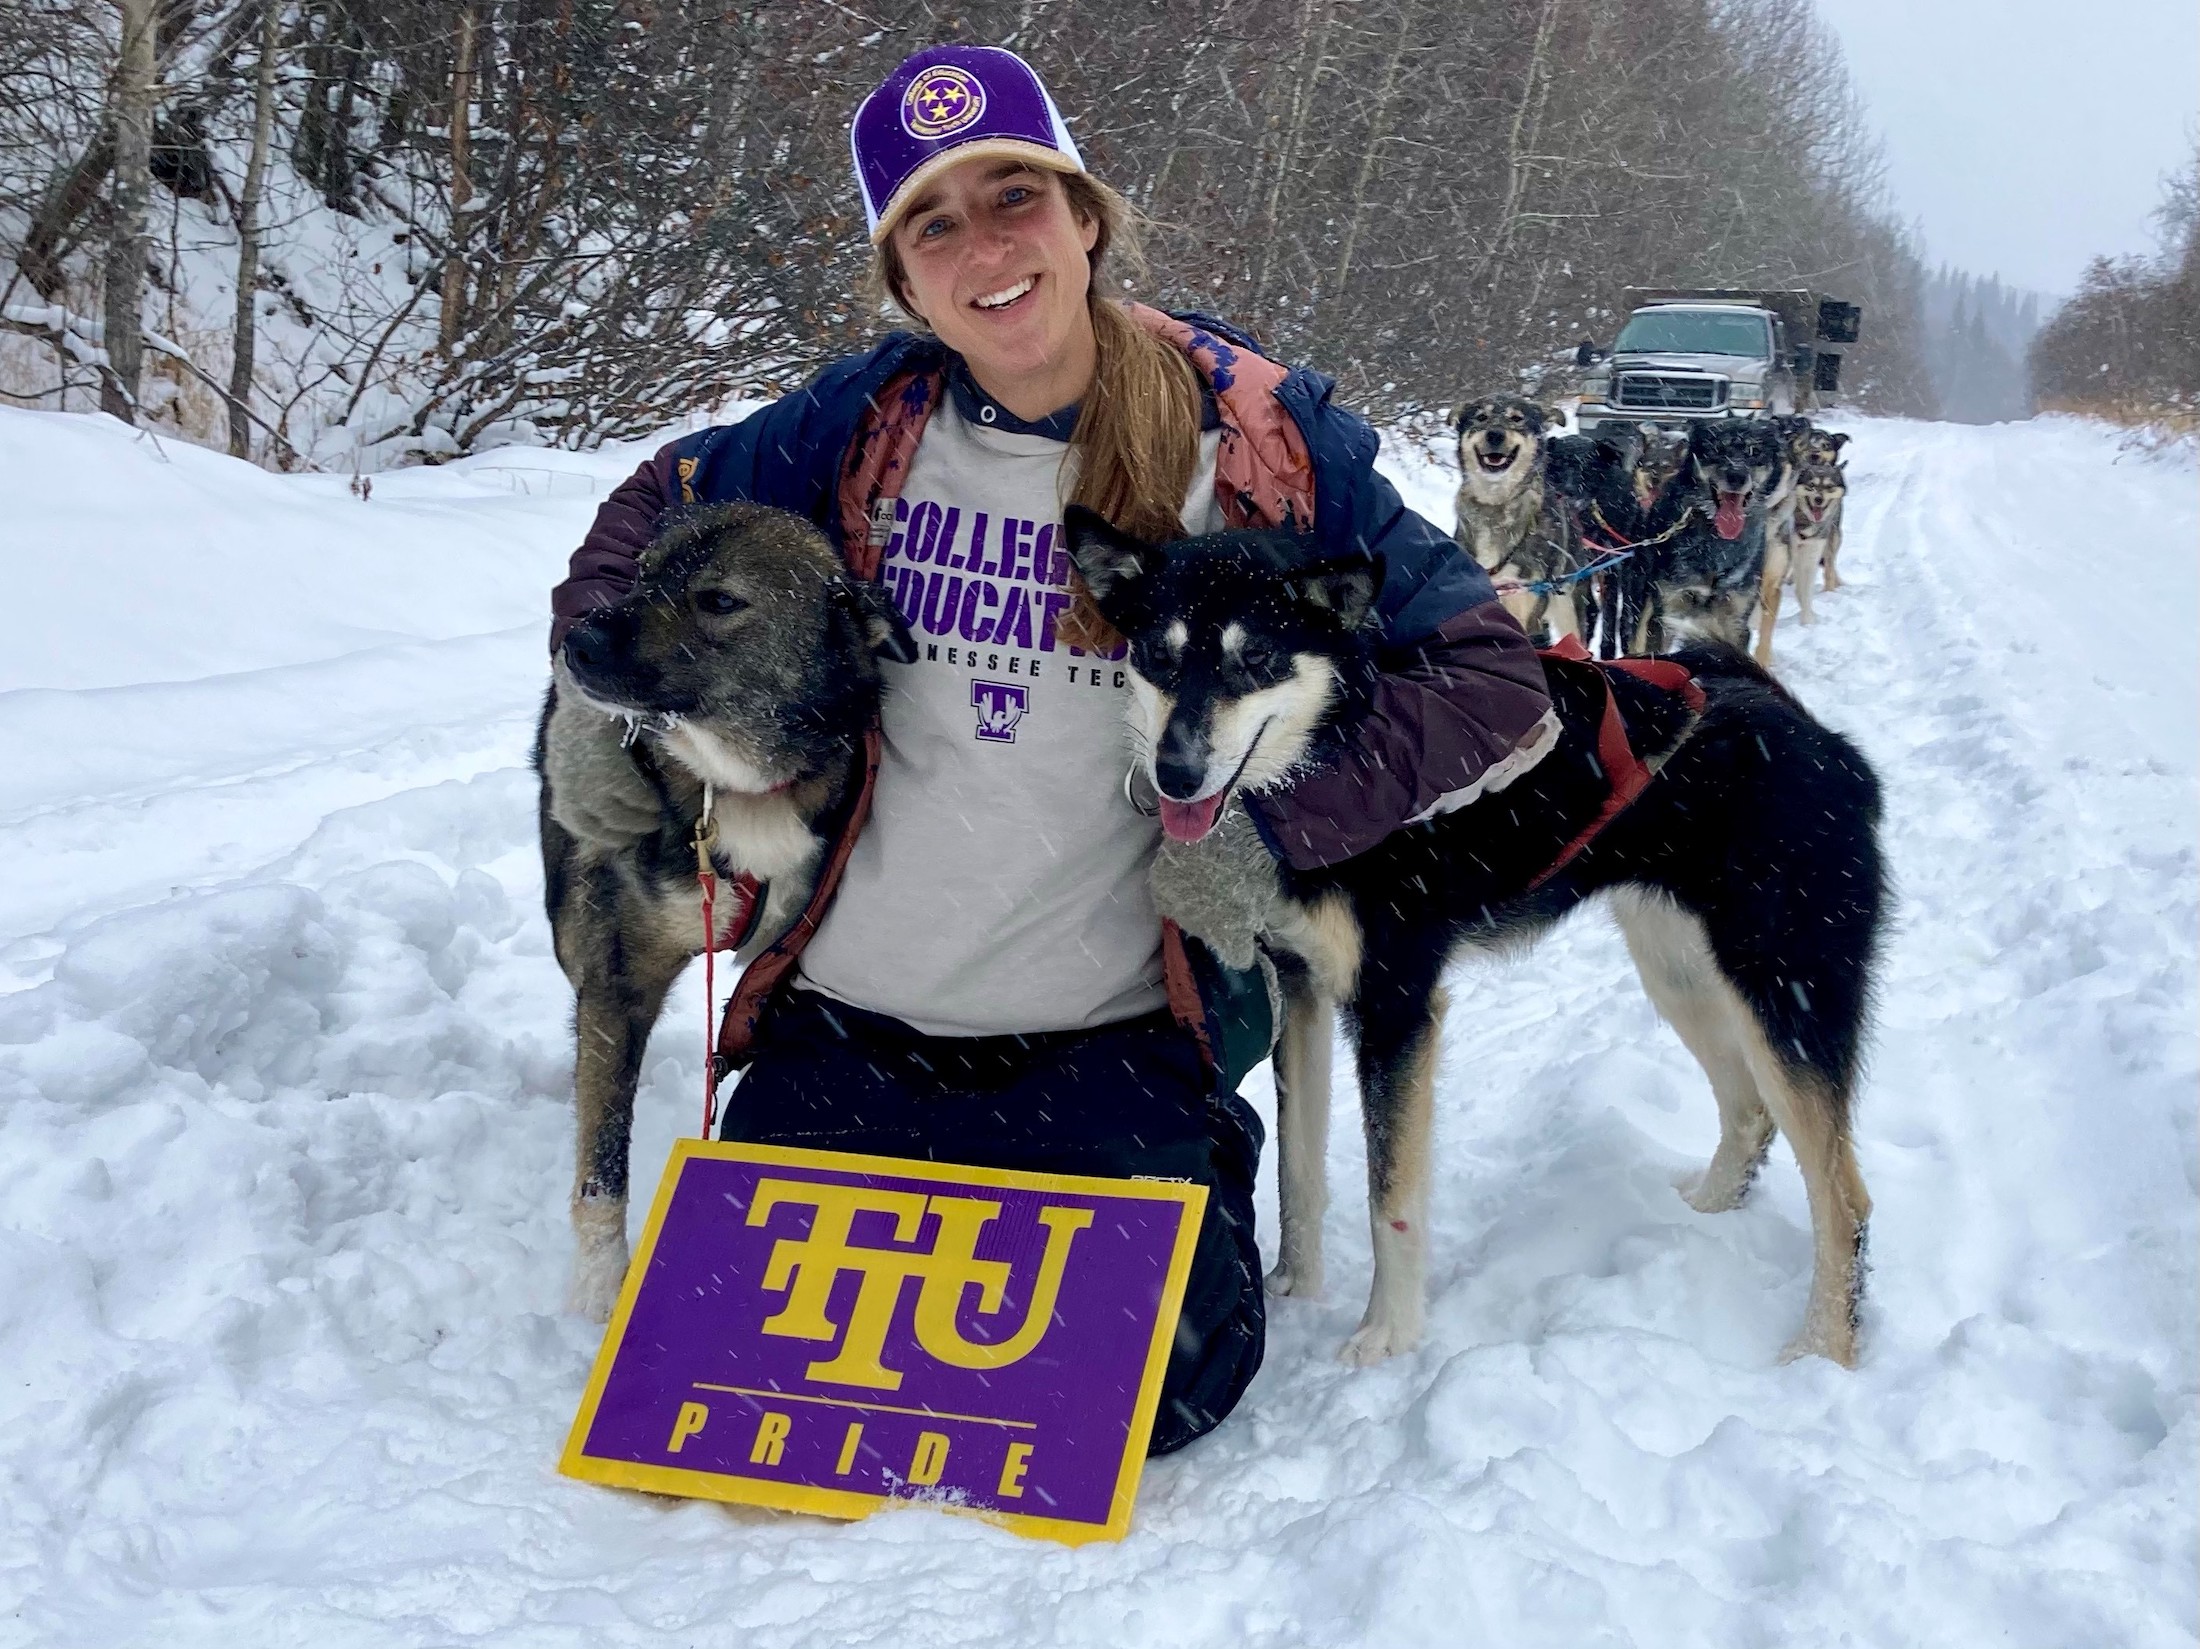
[(467, 223), (2127, 345), (1978, 334)]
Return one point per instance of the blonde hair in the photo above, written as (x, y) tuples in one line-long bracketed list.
[(1137, 435)]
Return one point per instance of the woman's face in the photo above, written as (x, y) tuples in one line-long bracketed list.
[(994, 262)]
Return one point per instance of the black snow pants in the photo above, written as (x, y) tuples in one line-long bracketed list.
[(1121, 1101)]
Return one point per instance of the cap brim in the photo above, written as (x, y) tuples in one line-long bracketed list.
[(1036, 154)]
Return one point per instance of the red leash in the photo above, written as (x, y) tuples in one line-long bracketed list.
[(709, 878)]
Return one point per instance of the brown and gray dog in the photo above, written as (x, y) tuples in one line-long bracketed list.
[(743, 666), (1822, 446), (1803, 447), (1511, 519), (1818, 500), (1664, 456)]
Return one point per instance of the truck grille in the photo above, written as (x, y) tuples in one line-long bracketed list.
[(1670, 392)]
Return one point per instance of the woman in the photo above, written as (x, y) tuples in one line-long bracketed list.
[(988, 980)]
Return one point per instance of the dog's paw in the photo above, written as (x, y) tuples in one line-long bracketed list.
[(594, 1289), (1299, 1281), (1710, 1192), (1378, 1341), (1836, 1343), (599, 1259)]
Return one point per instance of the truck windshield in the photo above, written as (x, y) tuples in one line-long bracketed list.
[(1694, 332)]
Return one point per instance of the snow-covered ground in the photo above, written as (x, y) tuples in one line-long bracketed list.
[(284, 1131)]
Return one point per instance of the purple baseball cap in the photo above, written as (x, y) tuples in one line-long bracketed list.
[(947, 104)]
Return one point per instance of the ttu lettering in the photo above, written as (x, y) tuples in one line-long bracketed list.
[(807, 1267)]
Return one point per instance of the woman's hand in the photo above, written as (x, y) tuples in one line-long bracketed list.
[(1222, 889)]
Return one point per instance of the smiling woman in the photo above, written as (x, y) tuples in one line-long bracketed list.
[(982, 975)]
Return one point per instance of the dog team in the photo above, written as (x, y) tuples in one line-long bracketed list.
[(1634, 539)]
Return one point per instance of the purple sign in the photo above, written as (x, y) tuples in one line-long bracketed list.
[(827, 1333)]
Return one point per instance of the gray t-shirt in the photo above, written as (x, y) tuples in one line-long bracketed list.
[(1001, 883)]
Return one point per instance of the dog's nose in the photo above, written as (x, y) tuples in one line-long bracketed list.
[(588, 648), (603, 642), (1180, 761)]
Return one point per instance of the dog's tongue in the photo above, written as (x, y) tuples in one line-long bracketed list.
[(1189, 821), (1728, 522)]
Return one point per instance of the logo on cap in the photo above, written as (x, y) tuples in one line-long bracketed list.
[(941, 102)]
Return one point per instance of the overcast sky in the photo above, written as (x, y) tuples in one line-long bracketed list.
[(2025, 136)]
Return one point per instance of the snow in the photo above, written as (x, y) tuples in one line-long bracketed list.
[(284, 1062)]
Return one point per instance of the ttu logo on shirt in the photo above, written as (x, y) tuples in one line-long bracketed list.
[(1000, 706)]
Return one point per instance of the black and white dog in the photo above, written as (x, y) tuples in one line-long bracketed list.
[(1745, 874), (1598, 477), (1700, 578)]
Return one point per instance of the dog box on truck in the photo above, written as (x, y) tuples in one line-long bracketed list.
[(1686, 354)]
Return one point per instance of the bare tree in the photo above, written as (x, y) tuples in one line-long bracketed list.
[(565, 220), (248, 232), (131, 121), (453, 319), (2127, 344)]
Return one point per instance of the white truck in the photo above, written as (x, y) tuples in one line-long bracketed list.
[(1685, 355)]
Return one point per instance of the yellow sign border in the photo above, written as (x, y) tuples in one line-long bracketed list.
[(848, 1503)]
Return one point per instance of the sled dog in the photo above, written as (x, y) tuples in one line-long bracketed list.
[(1596, 476), (1745, 875), (1700, 581), (1819, 496), (1819, 446), (1823, 447), (746, 661), (1664, 456), (1596, 473), (1790, 431), (1511, 519), (1804, 447)]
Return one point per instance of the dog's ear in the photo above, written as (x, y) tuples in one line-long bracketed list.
[(1553, 417), (1837, 442), (1344, 586), (1621, 444), (1108, 558), (877, 618)]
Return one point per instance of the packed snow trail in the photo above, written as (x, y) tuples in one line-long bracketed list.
[(284, 1065)]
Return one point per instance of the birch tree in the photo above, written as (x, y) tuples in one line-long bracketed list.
[(131, 121), (248, 232)]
